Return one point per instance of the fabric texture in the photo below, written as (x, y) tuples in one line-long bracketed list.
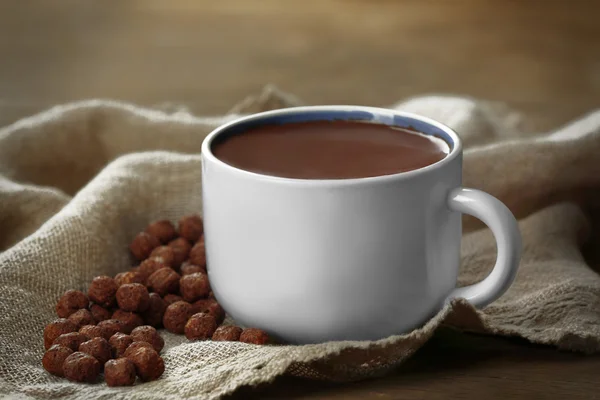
[(78, 181)]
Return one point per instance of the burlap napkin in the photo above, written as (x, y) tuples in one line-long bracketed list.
[(78, 181)]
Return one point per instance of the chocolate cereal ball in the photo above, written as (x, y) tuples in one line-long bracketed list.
[(181, 248), (119, 372), (172, 298), (102, 291), (148, 364), (109, 327), (227, 334), (57, 328), (54, 358), (198, 254), (164, 281), (164, 254), (163, 230), (156, 310), (119, 342), (176, 316), (191, 228), (148, 267), (97, 348), (254, 336), (99, 313), (200, 327), (82, 317), (133, 347), (209, 306), (124, 278), (81, 367), (70, 302), (188, 268), (91, 331), (148, 334), (133, 297), (128, 320), (194, 286), (72, 340), (142, 245)]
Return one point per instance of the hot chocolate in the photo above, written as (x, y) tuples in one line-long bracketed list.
[(329, 150)]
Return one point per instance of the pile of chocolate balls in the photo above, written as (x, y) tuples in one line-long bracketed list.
[(113, 328)]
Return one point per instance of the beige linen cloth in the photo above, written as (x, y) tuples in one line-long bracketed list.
[(78, 181)]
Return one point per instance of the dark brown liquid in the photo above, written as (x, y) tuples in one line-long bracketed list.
[(329, 150)]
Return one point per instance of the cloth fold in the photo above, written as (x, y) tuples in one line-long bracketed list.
[(79, 180)]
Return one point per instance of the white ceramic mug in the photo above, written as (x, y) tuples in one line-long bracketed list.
[(345, 259)]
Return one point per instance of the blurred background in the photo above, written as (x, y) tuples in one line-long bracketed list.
[(540, 57)]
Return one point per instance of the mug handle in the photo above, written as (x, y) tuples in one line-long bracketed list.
[(503, 225)]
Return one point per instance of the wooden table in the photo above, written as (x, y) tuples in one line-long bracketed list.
[(541, 57), (458, 366)]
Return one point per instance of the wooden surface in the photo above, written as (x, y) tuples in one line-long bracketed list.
[(541, 57), (457, 366)]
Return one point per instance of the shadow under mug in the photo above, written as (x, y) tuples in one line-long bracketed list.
[(312, 261)]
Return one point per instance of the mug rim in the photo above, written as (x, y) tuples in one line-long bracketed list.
[(455, 147)]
